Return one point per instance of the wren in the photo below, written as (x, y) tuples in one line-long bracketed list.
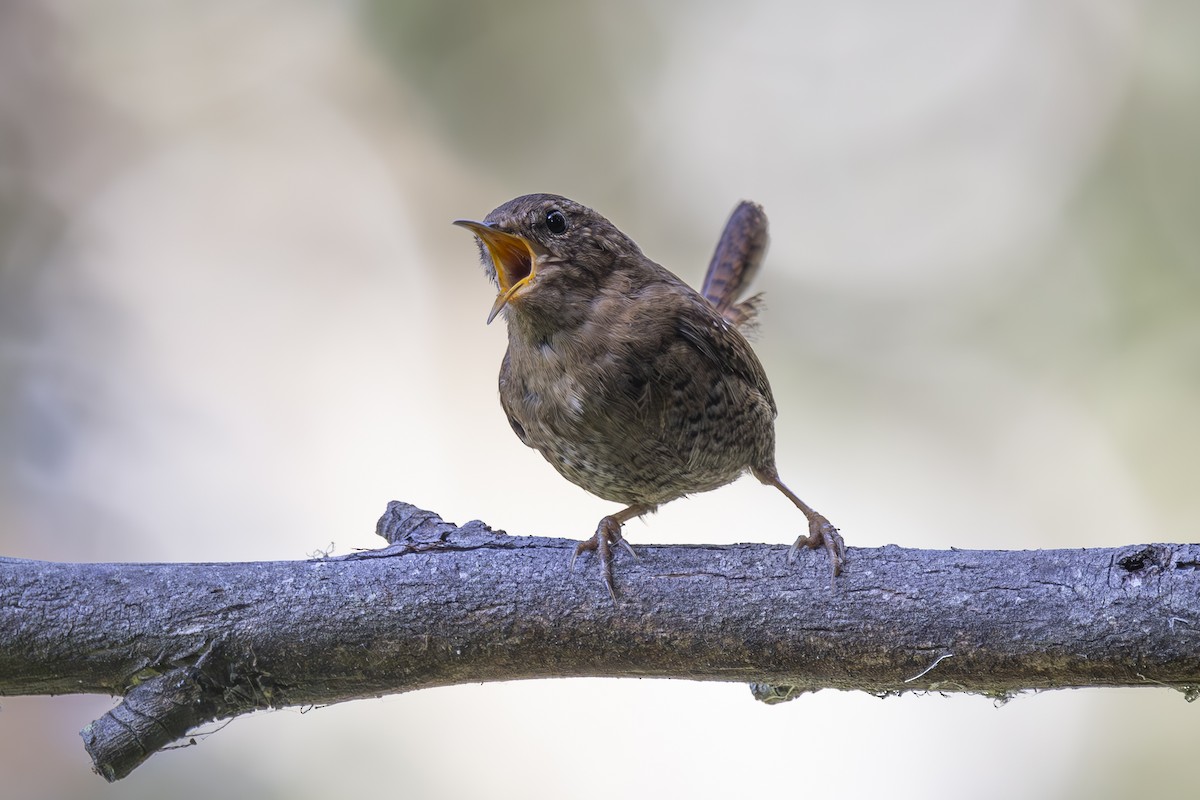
[(632, 384)]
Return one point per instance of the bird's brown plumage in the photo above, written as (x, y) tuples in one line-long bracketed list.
[(629, 382)]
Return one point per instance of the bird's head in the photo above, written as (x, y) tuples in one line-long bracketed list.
[(546, 251)]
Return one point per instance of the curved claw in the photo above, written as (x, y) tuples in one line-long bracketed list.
[(608, 533), (821, 533)]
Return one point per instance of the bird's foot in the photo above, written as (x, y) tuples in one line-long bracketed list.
[(608, 535), (821, 533)]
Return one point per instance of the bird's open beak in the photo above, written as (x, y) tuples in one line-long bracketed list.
[(513, 256)]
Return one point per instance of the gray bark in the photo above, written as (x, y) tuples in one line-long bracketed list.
[(188, 643)]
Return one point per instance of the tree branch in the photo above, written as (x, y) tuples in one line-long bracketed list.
[(189, 643)]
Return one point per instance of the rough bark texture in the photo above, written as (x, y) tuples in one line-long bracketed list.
[(189, 643)]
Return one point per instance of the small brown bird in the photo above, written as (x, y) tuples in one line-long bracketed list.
[(632, 384)]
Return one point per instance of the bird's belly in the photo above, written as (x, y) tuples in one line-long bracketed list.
[(637, 478), (622, 453)]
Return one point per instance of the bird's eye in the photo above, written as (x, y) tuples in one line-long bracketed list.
[(556, 221)]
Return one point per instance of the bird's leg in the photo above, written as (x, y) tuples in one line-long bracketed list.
[(608, 533), (821, 532)]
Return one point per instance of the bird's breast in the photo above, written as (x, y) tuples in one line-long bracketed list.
[(546, 390)]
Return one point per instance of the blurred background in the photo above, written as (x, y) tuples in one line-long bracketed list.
[(235, 321)]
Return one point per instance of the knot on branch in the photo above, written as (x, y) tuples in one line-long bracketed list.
[(1151, 558), (417, 530), (775, 693), (405, 523)]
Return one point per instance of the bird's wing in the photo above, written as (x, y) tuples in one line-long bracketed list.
[(720, 343)]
